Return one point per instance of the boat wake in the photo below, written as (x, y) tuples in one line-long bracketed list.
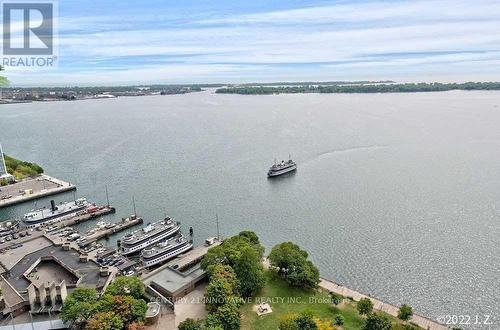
[(347, 150)]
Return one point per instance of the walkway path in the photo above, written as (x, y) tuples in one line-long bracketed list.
[(380, 305)]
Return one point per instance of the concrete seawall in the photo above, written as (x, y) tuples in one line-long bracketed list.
[(380, 305)]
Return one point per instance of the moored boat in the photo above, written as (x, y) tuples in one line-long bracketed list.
[(58, 212), (165, 251), (149, 235)]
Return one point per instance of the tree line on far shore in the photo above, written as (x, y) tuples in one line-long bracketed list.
[(359, 88)]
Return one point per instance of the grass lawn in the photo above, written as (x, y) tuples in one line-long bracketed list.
[(285, 299)]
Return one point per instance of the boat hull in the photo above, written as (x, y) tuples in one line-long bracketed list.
[(281, 172), (149, 262), (128, 250)]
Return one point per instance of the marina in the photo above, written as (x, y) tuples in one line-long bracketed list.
[(33, 188)]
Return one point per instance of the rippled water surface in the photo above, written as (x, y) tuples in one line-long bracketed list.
[(396, 195)]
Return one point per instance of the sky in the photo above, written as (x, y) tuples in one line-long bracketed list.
[(144, 42)]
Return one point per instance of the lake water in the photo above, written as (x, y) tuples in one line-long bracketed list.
[(396, 195)]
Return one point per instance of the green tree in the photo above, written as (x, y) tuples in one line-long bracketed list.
[(338, 319), (288, 323), (227, 273), (284, 256), (302, 321), (305, 321), (251, 236), (129, 309), (377, 322), (124, 285), (219, 293), (365, 306), (79, 305), (243, 256), (336, 298), (405, 312), (191, 324), (228, 317), (229, 252), (105, 321), (249, 271), (292, 264)]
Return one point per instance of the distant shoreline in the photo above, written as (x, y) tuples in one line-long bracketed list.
[(363, 88)]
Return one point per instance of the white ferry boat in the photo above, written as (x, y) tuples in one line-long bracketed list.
[(282, 168), (165, 251), (149, 235)]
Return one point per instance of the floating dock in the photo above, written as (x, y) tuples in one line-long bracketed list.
[(106, 232), (29, 189)]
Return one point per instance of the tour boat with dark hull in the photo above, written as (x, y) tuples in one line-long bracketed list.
[(59, 212), (165, 251), (282, 168), (149, 235)]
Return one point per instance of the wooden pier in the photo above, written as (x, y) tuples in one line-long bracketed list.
[(106, 232)]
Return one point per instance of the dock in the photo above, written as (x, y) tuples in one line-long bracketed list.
[(103, 210), (106, 232), (29, 189)]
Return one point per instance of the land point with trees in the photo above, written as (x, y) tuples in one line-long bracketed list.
[(20, 169), (240, 279)]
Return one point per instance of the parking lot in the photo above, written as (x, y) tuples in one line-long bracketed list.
[(36, 185)]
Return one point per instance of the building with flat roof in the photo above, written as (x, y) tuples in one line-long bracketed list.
[(171, 284), (39, 275), (3, 168)]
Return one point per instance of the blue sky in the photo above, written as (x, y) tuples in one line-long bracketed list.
[(132, 42)]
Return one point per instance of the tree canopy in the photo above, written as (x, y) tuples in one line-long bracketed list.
[(127, 285), (105, 321), (292, 264), (191, 324), (79, 305), (243, 253), (302, 321), (405, 312), (365, 306), (121, 306), (377, 321)]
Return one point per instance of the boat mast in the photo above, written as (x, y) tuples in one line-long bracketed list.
[(107, 197), (217, 223), (133, 204)]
